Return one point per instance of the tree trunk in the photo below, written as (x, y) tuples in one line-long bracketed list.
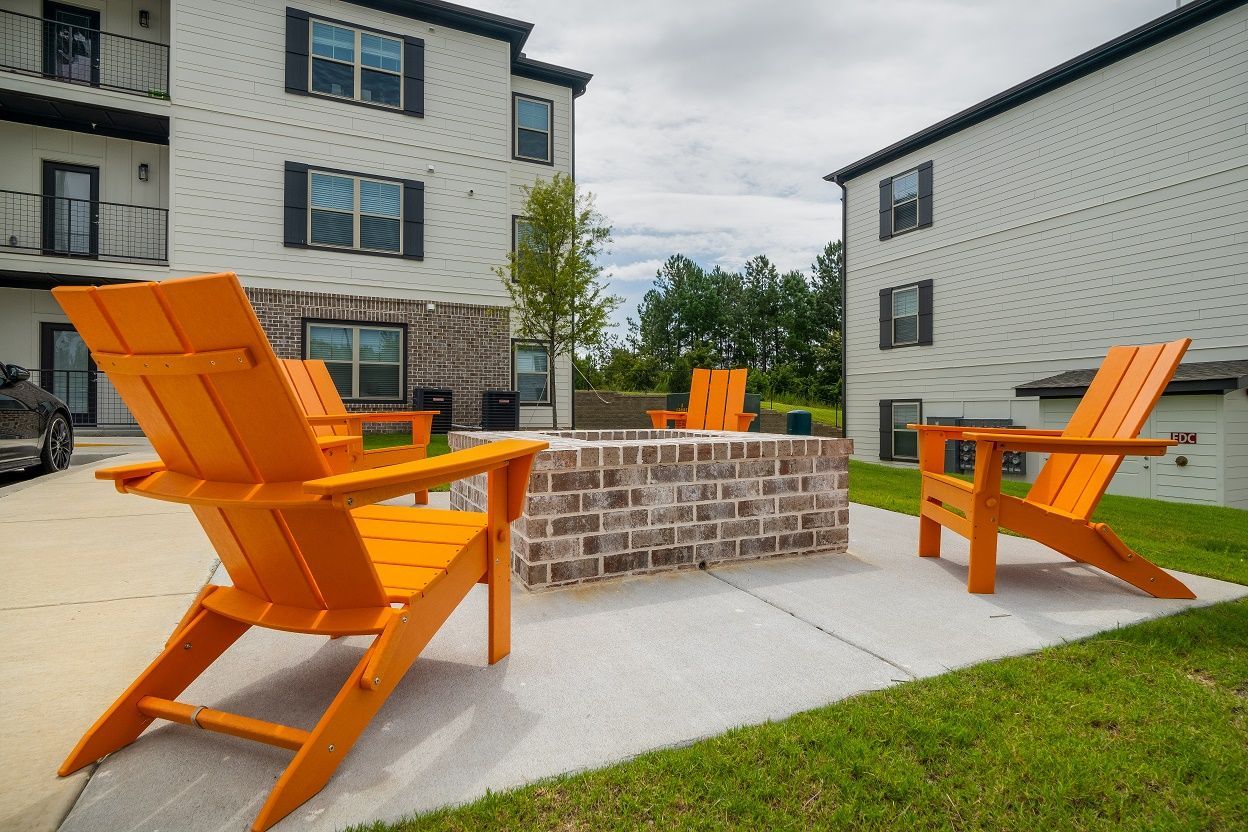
[(554, 397)]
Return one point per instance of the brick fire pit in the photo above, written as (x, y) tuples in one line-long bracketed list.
[(607, 503)]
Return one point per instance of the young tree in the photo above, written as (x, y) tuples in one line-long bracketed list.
[(552, 275)]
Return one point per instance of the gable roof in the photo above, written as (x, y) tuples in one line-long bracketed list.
[(1161, 28), (489, 25), (1194, 377)]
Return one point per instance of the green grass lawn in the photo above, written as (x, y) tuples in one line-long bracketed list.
[(1141, 728), (825, 414)]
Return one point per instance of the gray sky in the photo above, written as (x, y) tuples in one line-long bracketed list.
[(710, 123)]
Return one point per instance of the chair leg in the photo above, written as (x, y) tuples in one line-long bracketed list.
[(1120, 560), (203, 640), (982, 576), (929, 538), (498, 568), (421, 498)]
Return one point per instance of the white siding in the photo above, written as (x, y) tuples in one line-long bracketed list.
[(235, 126), (1107, 211), (1235, 439)]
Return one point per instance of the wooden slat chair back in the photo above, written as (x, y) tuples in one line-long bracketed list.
[(306, 550), (316, 392), (1116, 405), (235, 421), (1058, 508), (716, 402), (314, 387)]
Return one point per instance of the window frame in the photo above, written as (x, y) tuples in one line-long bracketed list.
[(356, 326), (913, 200), (515, 129), (544, 346), (356, 212), (894, 430), (914, 287), (358, 66)]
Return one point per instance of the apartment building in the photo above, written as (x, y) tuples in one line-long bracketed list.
[(360, 165), (994, 257)]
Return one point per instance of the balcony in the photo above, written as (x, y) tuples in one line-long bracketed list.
[(64, 227), (80, 54)]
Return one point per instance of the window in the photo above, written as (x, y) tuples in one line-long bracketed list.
[(906, 315), (520, 230), (905, 440), (532, 370), (531, 123), (354, 212), (896, 440), (354, 64), (906, 201), (365, 362), (350, 63)]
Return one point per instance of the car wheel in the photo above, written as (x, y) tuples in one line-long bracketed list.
[(58, 446)]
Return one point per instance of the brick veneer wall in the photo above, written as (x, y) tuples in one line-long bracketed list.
[(608, 503), (610, 411), (462, 346)]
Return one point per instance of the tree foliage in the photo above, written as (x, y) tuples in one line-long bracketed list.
[(552, 274), (786, 327)]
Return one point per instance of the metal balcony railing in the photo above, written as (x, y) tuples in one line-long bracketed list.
[(79, 54), (83, 228), (91, 398)]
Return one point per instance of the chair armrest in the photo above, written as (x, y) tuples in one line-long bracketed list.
[(396, 415), (659, 418), (1075, 444), (135, 471), (360, 488), (743, 420), (957, 432)]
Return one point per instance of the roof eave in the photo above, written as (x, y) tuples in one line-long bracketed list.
[(576, 79), (1156, 30)]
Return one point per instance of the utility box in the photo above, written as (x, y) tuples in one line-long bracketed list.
[(435, 398), (500, 410), (797, 423)]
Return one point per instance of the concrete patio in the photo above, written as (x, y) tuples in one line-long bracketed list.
[(94, 581)]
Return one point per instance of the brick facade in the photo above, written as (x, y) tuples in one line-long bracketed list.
[(462, 346), (608, 503)]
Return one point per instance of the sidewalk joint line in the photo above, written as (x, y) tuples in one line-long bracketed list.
[(98, 601), (909, 676)]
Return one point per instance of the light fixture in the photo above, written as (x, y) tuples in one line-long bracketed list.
[(143, 172), (13, 240), (428, 168), (145, 18), (430, 307)]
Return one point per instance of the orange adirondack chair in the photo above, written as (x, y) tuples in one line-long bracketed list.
[(305, 548), (328, 416), (1058, 509), (716, 399)]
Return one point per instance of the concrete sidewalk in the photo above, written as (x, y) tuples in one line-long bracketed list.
[(597, 674)]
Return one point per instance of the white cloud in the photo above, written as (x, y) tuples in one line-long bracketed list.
[(709, 123)]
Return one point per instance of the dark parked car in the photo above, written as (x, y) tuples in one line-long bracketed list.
[(35, 428)]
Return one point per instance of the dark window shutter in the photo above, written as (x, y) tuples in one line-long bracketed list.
[(925, 194), (296, 51), (414, 76), (886, 319), (413, 219), (886, 428), (925, 311), (886, 209), (295, 215)]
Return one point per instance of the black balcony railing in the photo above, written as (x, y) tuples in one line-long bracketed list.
[(90, 396), (83, 228), (83, 55)]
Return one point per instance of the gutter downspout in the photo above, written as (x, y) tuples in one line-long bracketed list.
[(572, 167), (844, 303)]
